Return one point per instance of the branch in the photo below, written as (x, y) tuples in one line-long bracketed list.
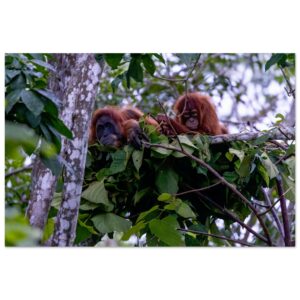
[(276, 134), (285, 217), (17, 171), (223, 181), (291, 90), (215, 236), (273, 212), (232, 216), (198, 190)]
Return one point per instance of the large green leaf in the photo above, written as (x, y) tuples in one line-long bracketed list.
[(145, 214), (166, 231), (167, 181), (110, 222), (49, 95), (135, 69), (61, 127), (269, 165), (43, 64), (33, 102), (181, 208), (96, 193), (113, 60), (137, 158), (185, 211), (278, 58), (133, 230), (148, 64), (12, 98)]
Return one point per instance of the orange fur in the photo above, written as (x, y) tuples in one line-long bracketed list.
[(205, 112), (126, 119)]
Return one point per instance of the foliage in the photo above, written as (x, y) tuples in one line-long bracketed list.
[(18, 232), (137, 193), (135, 197), (30, 102), (281, 59)]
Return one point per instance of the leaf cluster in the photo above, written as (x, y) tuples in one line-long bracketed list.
[(151, 194), (30, 102)]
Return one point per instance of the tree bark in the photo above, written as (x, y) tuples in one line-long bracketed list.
[(43, 184), (80, 78)]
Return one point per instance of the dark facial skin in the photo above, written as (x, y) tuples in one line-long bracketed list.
[(107, 132), (190, 119)]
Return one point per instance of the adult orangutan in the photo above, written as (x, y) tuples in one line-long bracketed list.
[(114, 126)]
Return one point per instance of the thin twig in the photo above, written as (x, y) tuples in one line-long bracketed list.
[(198, 190), (273, 212), (291, 91), (278, 144), (215, 236), (285, 217), (269, 208), (16, 171), (223, 181), (231, 215)]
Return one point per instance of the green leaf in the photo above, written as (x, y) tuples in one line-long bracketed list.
[(263, 172), (137, 157), (53, 164), (291, 164), (148, 64), (113, 60), (160, 58), (56, 200), (19, 82), (186, 144), (48, 230), (144, 214), (12, 98), (230, 176), (244, 169), (133, 230), (96, 193), (268, 164), (140, 194), (185, 211), (164, 197), (33, 120), (162, 152), (33, 102), (188, 58), (86, 205), (239, 153), (110, 222), (49, 95), (289, 187), (181, 208), (167, 181), (261, 140), (135, 69), (89, 228), (119, 162), (166, 232), (61, 127), (275, 59), (12, 73), (43, 64), (290, 150)]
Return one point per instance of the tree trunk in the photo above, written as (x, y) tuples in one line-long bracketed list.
[(80, 78), (75, 82), (43, 184)]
